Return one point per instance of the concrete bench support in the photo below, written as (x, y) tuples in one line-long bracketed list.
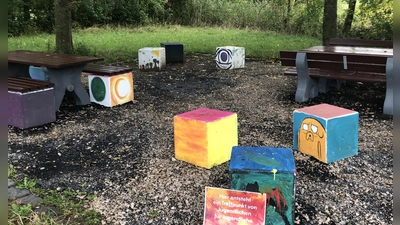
[(388, 104), (307, 87)]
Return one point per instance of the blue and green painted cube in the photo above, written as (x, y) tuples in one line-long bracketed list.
[(326, 132), (266, 170)]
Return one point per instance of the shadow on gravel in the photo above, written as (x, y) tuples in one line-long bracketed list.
[(181, 86), (94, 156)]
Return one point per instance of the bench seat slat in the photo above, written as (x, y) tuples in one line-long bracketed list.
[(342, 75), (105, 70), (30, 82), (362, 67), (23, 85), (288, 54), (350, 58)]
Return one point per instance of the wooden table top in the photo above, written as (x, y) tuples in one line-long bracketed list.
[(51, 60), (383, 52)]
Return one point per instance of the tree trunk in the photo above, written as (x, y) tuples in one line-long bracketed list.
[(329, 24), (63, 27), (288, 11), (26, 12), (349, 17)]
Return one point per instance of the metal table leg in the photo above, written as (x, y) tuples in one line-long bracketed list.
[(67, 79)]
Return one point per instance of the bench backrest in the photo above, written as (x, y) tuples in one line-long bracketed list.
[(337, 62), (360, 42), (23, 85)]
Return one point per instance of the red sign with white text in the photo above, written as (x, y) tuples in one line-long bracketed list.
[(231, 207)]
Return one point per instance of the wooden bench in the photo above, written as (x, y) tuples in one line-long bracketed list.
[(63, 70), (360, 42), (105, 70), (23, 85), (30, 102), (319, 71)]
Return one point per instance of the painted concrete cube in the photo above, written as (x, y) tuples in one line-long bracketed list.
[(111, 90), (205, 137), (151, 58), (266, 170), (37, 73), (31, 109), (230, 57), (173, 52), (326, 132)]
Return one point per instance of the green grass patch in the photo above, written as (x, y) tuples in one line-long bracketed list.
[(27, 184), (69, 206), (120, 45)]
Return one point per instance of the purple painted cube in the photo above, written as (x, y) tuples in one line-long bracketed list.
[(31, 109)]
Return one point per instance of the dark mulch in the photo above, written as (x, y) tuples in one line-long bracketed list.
[(94, 145)]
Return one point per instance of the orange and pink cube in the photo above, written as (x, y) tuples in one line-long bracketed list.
[(205, 137)]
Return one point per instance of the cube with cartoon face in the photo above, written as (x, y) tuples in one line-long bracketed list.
[(326, 132)]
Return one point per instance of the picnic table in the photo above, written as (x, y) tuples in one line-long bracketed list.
[(63, 70), (320, 67)]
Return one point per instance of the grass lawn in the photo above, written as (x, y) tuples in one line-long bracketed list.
[(120, 45)]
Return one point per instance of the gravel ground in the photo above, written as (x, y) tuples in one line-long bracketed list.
[(125, 154)]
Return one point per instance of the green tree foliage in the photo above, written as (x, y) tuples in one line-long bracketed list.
[(43, 13), (381, 27), (30, 16), (304, 17), (88, 13), (182, 11), (349, 16), (16, 20)]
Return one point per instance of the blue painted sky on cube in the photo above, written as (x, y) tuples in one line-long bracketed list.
[(262, 158)]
